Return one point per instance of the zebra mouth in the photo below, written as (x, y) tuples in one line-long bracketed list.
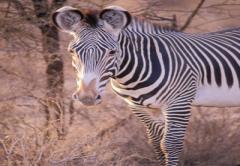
[(87, 101)]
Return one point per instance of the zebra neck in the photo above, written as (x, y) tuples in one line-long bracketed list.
[(143, 26), (141, 53)]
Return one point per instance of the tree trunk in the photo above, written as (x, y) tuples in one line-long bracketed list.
[(55, 78)]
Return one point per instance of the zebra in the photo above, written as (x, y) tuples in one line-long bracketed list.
[(154, 69)]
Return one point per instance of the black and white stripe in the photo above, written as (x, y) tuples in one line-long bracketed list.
[(155, 68), (163, 68)]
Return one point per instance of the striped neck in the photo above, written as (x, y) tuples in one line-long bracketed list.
[(137, 48), (143, 26)]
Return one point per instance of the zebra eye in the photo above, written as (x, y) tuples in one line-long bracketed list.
[(71, 51), (75, 69), (112, 52)]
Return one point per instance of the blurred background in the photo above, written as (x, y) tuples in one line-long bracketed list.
[(41, 125)]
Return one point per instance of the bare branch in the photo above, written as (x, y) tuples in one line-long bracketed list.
[(56, 4), (190, 18), (22, 10)]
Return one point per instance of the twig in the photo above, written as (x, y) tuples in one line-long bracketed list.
[(190, 18), (21, 10), (23, 148)]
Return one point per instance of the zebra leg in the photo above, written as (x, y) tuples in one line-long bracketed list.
[(155, 132), (176, 121)]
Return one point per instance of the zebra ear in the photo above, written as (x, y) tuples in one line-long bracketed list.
[(67, 18), (115, 18)]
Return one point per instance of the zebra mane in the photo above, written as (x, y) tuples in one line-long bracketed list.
[(142, 25), (91, 17)]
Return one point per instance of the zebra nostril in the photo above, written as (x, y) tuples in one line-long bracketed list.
[(98, 97), (75, 96)]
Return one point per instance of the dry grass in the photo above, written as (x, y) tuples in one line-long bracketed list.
[(110, 136), (105, 135), (213, 138)]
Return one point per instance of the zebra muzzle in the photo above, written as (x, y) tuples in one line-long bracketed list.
[(87, 100)]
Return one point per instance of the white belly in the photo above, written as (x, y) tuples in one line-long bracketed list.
[(217, 96)]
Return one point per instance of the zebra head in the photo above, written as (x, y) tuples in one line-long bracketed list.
[(95, 48)]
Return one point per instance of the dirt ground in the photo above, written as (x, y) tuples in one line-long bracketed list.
[(108, 134)]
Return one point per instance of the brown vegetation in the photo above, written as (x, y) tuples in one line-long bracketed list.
[(107, 134)]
